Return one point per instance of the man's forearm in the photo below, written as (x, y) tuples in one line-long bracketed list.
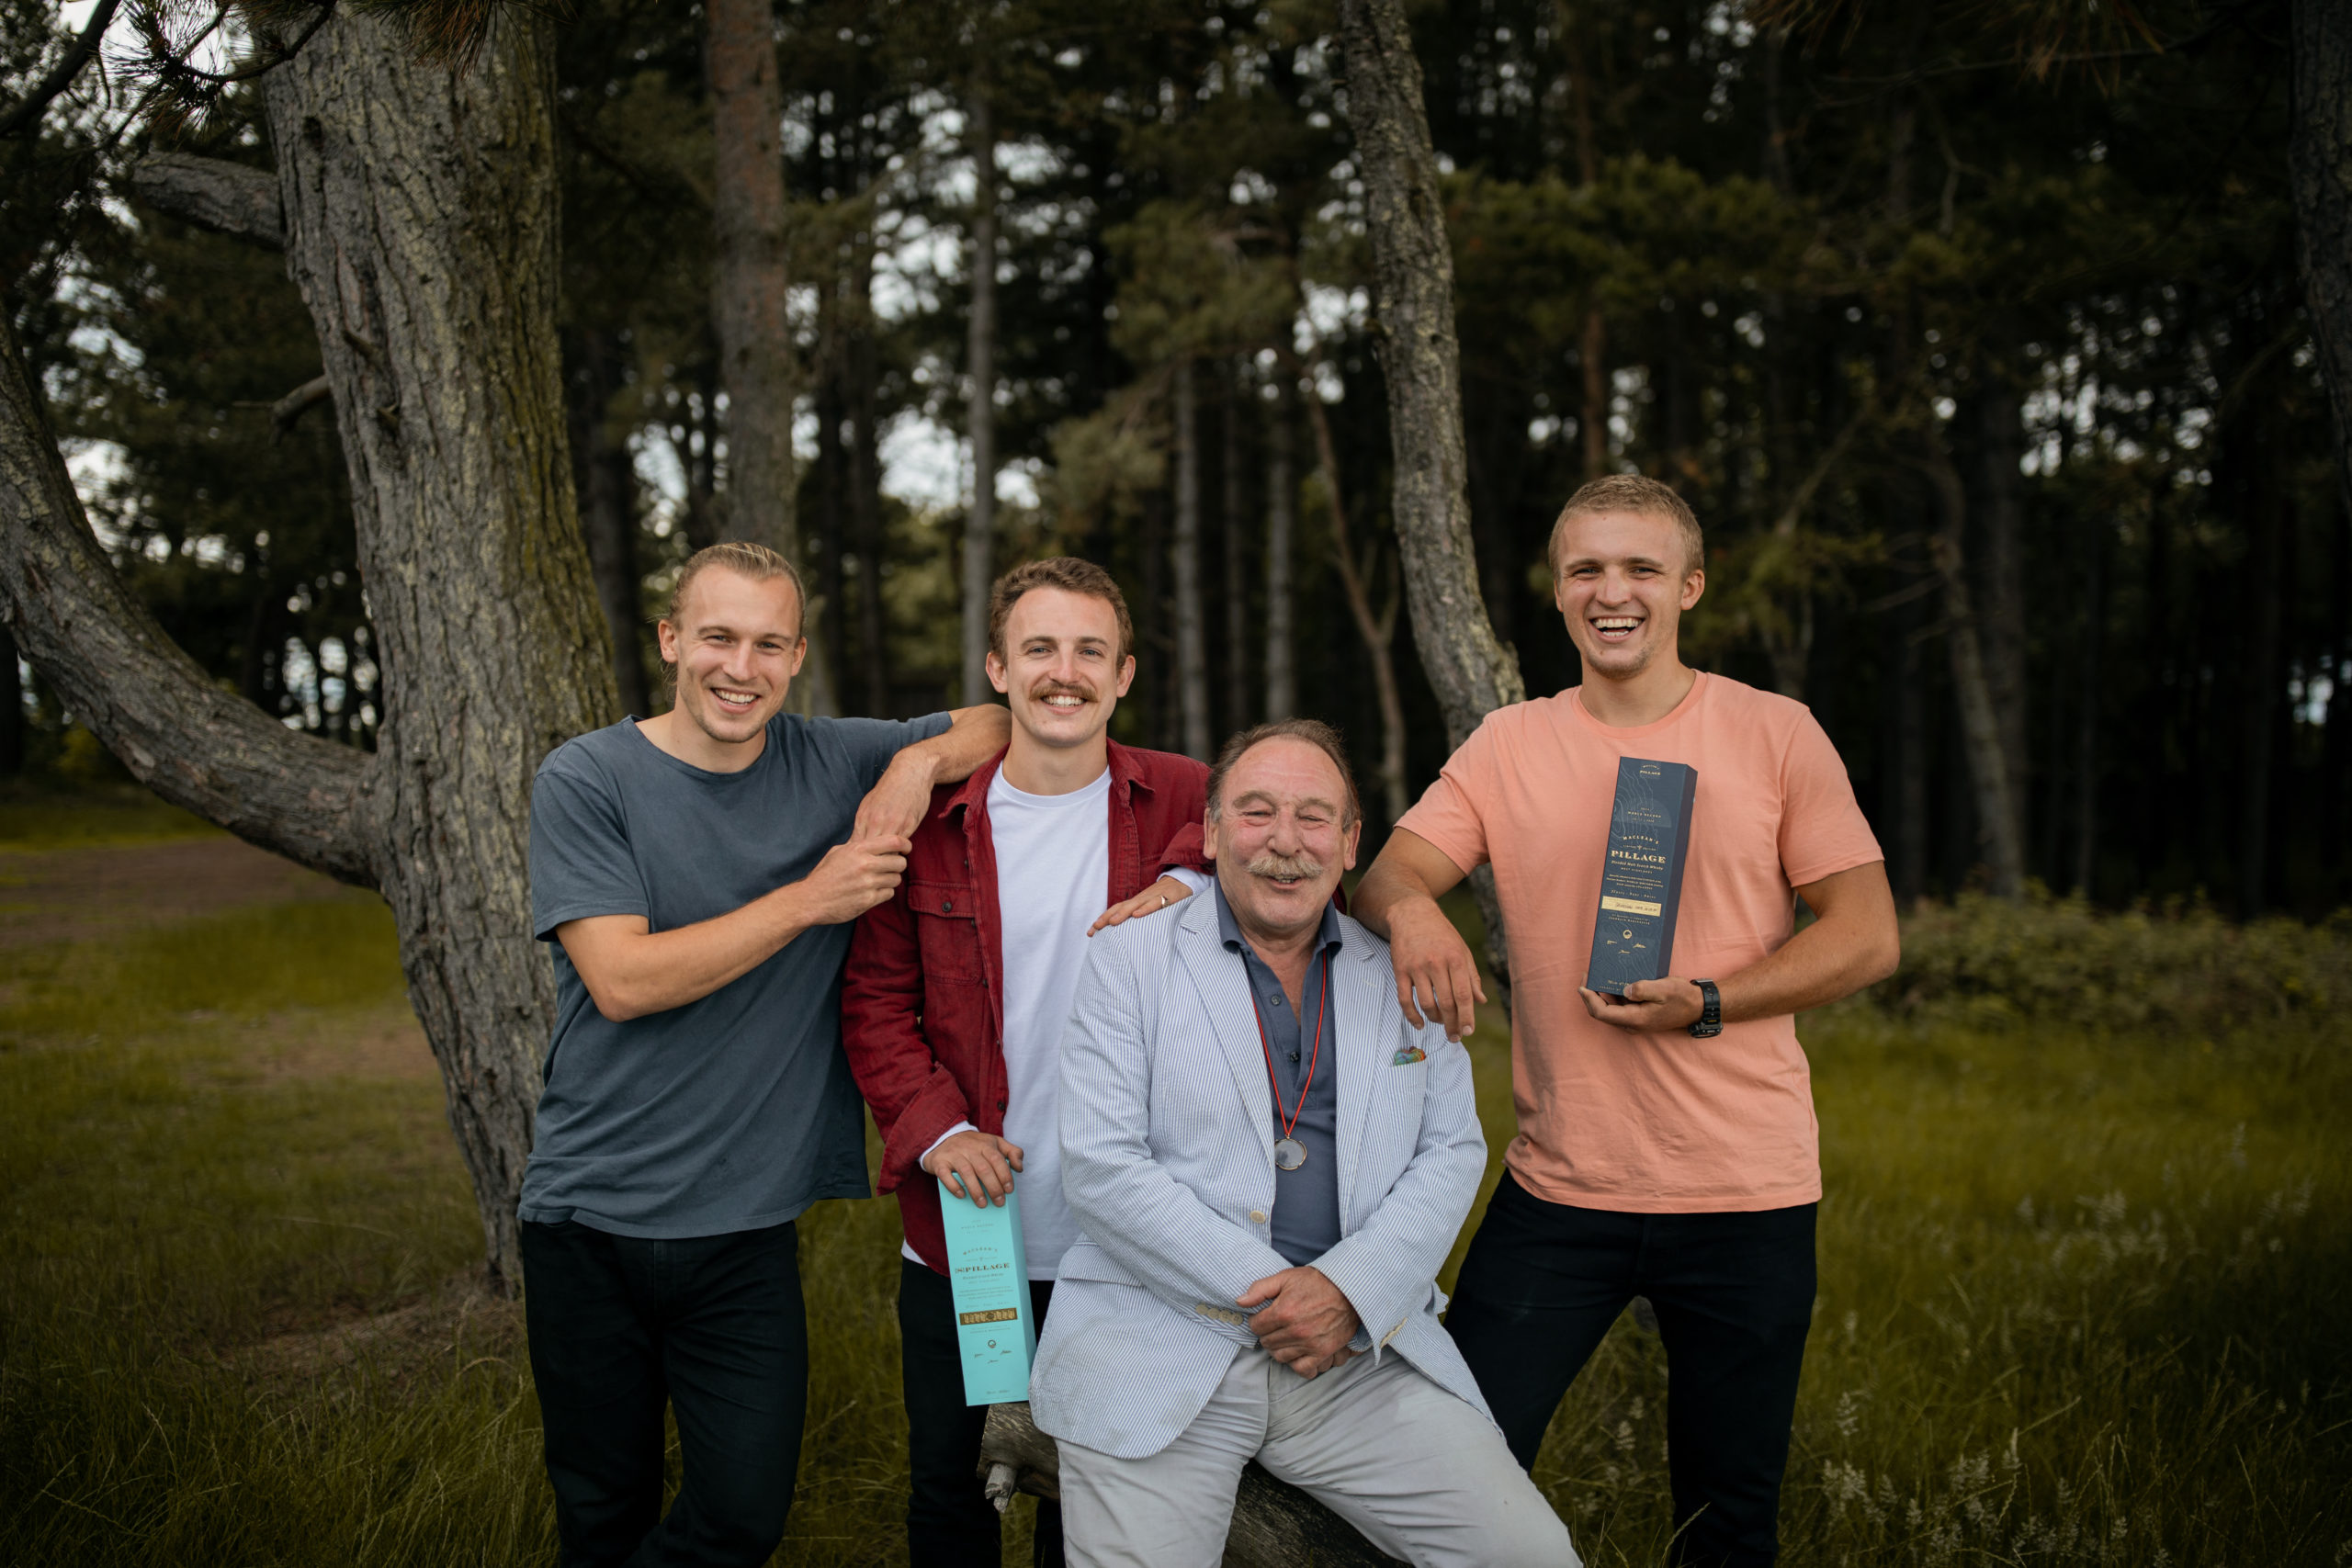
[(1833, 957), (631, 975), (1385, 886), (973, 734)]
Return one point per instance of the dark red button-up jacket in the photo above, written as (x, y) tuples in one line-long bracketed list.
[(923, 1000)]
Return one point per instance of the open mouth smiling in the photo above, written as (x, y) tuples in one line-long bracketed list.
[(734, 701), (1615, 628)]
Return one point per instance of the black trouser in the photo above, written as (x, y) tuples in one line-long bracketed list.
[(950, 1521), (1734, 1297), (711, 1325)]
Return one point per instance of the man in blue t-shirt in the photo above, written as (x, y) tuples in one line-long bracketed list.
[(695, 874)]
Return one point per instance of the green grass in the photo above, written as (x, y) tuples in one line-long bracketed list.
[(56, 817), (2081, 1297)]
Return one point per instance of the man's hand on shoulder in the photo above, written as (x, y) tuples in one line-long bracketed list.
[(853, 878), (978, 1165), (1648, 1005), (1163, 894), (1435, 973), (1303, 1318), (894, 807)]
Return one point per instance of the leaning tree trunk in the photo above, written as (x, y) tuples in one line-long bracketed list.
[(1998, 818), (1469, 667), (421, 213), (2321, 159)]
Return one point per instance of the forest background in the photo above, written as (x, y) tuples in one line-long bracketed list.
[(398, 369), (1829, 284)]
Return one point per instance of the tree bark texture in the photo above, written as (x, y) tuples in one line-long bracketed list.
[(420, 229), (1281, 511), (12, 708), (229, 198), (1470, 669), (748, 276), (2321, 156), (1989, 770), (606, 481), (979, 520), (1274, 1525), (1191, 634)]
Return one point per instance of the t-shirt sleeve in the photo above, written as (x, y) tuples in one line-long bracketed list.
[(1451, 813), (1823, 830), (871, 742), (581, 863)]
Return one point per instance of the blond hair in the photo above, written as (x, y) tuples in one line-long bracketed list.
[(745, 560), (1638, 494)]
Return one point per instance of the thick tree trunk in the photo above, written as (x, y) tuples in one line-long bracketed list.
[(2321, 157), (1191, 635), (1471, 671), (1988, 769), (607, 487), (748, 278), (979, 524), (1281, 510), (420, 229)]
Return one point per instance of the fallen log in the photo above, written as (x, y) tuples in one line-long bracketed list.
[(1275, 1525)]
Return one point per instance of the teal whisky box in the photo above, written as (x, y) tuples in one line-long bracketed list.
[(1641, 879), (987, 1270)]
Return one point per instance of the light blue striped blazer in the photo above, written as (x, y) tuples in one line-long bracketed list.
[(1168, 1140)]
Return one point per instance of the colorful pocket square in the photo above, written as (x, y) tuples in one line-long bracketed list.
[(1408, 1056)]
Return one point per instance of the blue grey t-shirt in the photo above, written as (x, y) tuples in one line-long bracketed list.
[(737, 1110)]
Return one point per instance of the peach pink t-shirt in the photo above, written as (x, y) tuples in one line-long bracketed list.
[(1652, 1123)]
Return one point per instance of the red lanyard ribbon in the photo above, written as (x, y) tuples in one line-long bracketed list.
[(1322, 999)]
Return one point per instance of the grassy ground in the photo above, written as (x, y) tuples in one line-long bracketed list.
[(2081, 1299)]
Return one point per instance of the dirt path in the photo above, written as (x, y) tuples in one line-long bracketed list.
[(49, 895)]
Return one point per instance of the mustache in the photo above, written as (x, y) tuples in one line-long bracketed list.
[(1044, 689), (1302, 865)]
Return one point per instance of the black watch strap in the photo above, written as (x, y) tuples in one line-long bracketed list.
[(1710, 1010)]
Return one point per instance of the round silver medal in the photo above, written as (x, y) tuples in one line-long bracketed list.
[(1289, 1154)]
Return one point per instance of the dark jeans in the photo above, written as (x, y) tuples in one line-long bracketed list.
[(1734, 1297), (950, 1521), (710, 1325)]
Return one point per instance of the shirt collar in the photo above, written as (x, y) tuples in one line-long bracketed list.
[(1228, 930)]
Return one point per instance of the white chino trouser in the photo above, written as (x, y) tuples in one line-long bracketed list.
[(1417, 1470)]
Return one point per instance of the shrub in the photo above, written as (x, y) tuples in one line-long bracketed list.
[(2183, 970)]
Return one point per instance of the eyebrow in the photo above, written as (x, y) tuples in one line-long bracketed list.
[(1595, 560)]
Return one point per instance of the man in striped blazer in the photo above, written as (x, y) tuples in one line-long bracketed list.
[(1268, 1167)]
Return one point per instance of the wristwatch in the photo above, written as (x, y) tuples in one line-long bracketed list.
[(1711, 1011)]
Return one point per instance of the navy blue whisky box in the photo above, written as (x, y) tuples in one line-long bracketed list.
[(1641, 877)]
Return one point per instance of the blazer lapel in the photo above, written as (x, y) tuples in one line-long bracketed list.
[(1358, 1018), (1224, 989)]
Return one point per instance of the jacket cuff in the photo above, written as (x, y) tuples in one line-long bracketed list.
[(1361, 1279), (929, 1117)]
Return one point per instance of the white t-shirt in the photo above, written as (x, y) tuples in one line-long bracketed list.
[(1053, 869)]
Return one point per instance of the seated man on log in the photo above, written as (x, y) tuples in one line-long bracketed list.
[(1268, 1167)]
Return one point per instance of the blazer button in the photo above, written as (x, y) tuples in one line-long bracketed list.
[(1257, 1216)]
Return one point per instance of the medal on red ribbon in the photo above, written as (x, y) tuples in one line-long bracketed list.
[(1289, 1152)]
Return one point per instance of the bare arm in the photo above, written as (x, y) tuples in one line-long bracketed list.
[(631, 970), (893, 808), (1854, 941), (1397, 899)]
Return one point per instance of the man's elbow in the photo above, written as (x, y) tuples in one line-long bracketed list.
[(1884, 956), (618, 1003)]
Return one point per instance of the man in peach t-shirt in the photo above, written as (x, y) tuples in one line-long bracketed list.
[(1666, 1145)]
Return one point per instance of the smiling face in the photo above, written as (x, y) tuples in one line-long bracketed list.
[(1276, 832), (736, 643), (1623, 580), (1060, 669)]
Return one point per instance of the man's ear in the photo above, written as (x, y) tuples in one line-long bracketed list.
[(1348, 843), (1693, 586), (999, 676), (666, 637), (1127, 676)]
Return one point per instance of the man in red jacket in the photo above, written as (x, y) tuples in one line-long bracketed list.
[(958, 987)]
